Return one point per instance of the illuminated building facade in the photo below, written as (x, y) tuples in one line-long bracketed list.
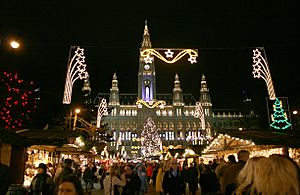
[(175, 121)]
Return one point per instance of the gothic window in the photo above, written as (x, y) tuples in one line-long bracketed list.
[(158, 113), (194, 125), (171, 125), (179, 125), (170, 113), (188, 125), (206, 110), (147, 93), (165, 125), (164, 113)]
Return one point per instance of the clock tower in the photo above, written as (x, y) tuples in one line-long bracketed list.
[(146, 74)]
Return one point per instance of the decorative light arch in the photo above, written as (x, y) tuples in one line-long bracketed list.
[(147, 54)]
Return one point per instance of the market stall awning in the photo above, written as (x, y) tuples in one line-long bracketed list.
[(232, 140), (46, 137)]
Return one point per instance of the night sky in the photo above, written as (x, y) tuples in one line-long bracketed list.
[(111, 33)]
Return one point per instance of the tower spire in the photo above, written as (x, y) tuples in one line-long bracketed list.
[(114, 98), (177, 92), (146, 37)]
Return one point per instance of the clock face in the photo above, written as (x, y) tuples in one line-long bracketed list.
[(147, 67)]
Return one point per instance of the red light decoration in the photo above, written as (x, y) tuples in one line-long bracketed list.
[(18, 102)]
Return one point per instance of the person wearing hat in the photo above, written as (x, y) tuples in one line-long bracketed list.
[(140, 170), (42, 183)]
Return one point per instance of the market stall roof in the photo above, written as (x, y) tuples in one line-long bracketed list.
[(266, 137), (29, 137), (230, 140), (47, 137)]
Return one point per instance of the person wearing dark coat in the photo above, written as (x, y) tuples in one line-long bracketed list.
[(192, 178), (42, 183), (133, 181), (67, 171), (4, 178), (209, 182), (173, 181)]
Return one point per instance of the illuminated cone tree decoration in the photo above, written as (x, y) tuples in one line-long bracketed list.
[(18, 101), (151, 142), (279, 118)]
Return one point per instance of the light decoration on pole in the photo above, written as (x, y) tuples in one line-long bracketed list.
[(102, 110), (76, 70), (147, 54), (261, 70), (151, 104), (199, 113), (279, 118), (150, 140)]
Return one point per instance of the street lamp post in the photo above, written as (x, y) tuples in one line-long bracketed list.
[(75, 118)]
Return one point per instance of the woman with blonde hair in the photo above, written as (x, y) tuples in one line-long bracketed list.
[(112, 181), (160, 175), (277, 175), (246, 176)]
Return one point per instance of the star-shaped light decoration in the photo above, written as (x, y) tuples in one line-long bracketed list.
[(256, 59), (83, 75), (148, 59), (192, 59), (81, 67), (80, 59), (256, 67), (256, 52), (256, 74), (79, 51), (169, 53)]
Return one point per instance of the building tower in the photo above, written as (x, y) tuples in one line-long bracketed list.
[(177, 93), (205, 98), (146, 74), (114, 99), (86, 89)]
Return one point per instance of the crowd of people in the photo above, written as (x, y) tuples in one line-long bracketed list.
[(275, 175)]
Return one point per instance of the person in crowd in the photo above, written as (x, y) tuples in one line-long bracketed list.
[(94, 171), (246, 177), (276, 175), (214, 164), (101, 173), (77, 171), (42, 183), (154, 175), (173, 181), (4, 178), (160, 175), (88, 177), (149, 171), (69, 185), (220, 166), (184, 171), (50, 169), (192, 178), (133, 181), (201, 166), (209, 182), (231, 173), (142, 175), (220, 175), (112, 182), (58, 170), (66, 171)]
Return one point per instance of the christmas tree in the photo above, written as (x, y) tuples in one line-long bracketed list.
[(151, 143), (279, 118)]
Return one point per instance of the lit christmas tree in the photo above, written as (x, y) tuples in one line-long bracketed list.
[(279, 118), (151, 143), (18, 101)]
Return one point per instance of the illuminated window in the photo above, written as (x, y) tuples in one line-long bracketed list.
[(158, 113), (170, 113), (164, 113)]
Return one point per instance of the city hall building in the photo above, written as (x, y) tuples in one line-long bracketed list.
[(174, 119)]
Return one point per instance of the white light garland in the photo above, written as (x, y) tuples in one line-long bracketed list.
[(76, 70), (102, 110), (147, 53), (261, 70), (199, 113)]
